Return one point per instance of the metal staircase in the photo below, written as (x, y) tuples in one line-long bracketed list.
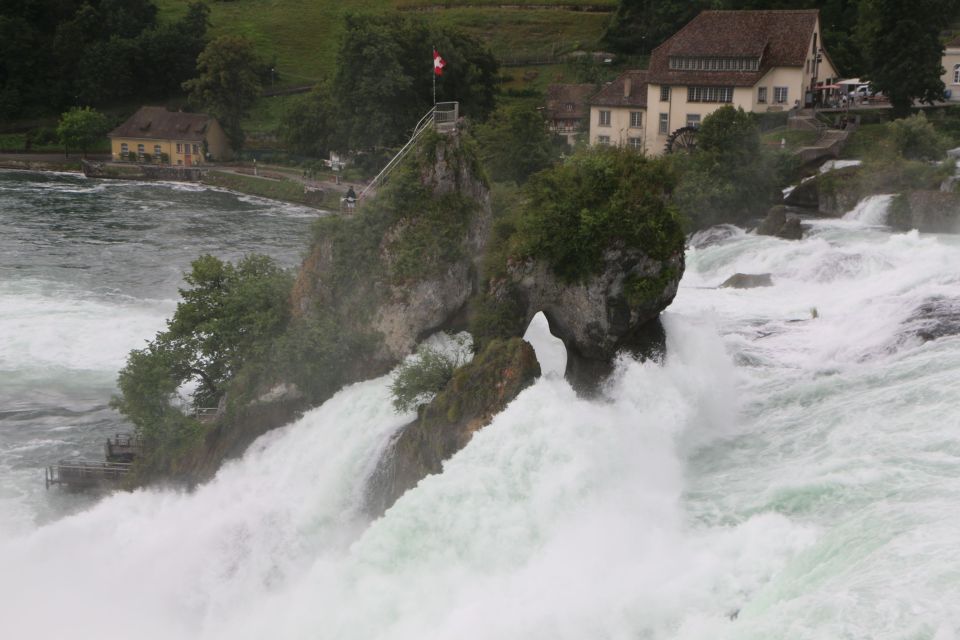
[(442, 117)]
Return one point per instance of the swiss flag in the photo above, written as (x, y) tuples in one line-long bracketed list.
[(438, 63)]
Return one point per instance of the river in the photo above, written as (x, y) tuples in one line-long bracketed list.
[(784, 474)]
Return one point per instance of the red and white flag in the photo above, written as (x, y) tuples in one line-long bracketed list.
[(438, 63)]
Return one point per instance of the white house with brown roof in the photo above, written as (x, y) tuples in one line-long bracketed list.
[(951, 69), (567, 108), (618, 112), (154, 134), (758, 60)]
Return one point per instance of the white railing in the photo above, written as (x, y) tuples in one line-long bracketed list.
[(442, 117)]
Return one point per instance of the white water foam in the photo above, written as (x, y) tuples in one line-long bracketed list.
[(871, 210)]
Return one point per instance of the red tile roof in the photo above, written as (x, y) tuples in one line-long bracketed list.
[(156, 123), (617, 93), (779, 38), (560, 95)]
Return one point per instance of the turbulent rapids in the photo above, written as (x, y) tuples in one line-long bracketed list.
[(780, 475)]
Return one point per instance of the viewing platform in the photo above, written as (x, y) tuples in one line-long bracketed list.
[(84, 474), (123, 447)]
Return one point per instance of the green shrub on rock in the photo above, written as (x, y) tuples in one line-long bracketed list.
[(915, 138)]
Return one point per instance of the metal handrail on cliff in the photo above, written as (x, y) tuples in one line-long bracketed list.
[(438, 117)]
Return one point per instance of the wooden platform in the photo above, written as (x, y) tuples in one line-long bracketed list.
[(86, 473)]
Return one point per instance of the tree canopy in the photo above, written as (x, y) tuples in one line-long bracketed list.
[(82, 127), (56, 53), (228, 83), (385, 76), (515, 143), (902, 49)]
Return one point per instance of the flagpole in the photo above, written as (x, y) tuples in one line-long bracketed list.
[(434, 72)]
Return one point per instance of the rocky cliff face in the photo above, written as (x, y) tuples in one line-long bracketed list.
[(477, 392), (926, 211)]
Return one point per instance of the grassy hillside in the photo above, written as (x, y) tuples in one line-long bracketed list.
[(302, 36)]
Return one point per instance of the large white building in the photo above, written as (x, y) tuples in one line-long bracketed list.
[(758, 60), (951, 69)]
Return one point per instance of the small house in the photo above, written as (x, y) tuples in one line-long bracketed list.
[(618, 112), (951, 69), (156, 135), (567, 109)]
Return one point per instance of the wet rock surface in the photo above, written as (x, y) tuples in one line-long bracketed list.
[(748, 281)]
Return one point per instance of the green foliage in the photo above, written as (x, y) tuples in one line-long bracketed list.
[(383, 76), (81, 128), (308, 124), (420, 378), (228, 82), (641, 291), (730, 177), (54, 54), (902, 49), (515, 143), (226, 319), (597, 199), (915, 138), (639, 26)]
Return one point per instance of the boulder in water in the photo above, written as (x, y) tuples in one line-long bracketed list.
[(477, 392), (779, 224), (926, 211), (937, 317), (748, 281)]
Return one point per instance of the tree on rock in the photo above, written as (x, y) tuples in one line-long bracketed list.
[(81, 128), (515, 143), (228, 83), (902, 48)]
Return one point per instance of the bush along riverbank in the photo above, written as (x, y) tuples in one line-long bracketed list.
[(420, 257)]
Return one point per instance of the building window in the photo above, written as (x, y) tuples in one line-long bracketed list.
[(157, 150), (709, 94), (179, 148), (664, 123), (762, 95), (568, 106), (196, 150), (604, 118), (684, 63), (140, 151), (124, 149), (780, 95), (635, 143), (636, 119), (693, 120), (604, 140), (956, 74), (665, 93)]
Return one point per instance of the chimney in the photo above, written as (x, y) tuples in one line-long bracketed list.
[(626, 87)]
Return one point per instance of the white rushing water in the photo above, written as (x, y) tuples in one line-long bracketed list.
[(779, 477)]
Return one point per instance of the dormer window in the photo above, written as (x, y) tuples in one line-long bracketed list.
[(704, 63), (568, 106)]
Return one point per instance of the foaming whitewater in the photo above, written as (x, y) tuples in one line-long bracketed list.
[(88, 271), (871, 210), (784, 474)]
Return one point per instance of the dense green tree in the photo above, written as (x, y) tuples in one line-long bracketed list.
[(81, 128), (915, 138), (637, 26), (597, 198), (385, 76), (56, 53), (309, 122), (730, 177), (902, 49), (515, 143), (228, 83)]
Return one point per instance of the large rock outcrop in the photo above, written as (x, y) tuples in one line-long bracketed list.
[(613, 309), (927, 211), (476, 393), (779, 224)]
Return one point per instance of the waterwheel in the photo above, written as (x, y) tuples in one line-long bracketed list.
[(683, 139)]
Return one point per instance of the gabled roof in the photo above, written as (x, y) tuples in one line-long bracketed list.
[(561, 95), (628, 90), (778, 38), (160, 124)]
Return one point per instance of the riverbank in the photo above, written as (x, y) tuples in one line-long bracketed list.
[(42, 162)]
